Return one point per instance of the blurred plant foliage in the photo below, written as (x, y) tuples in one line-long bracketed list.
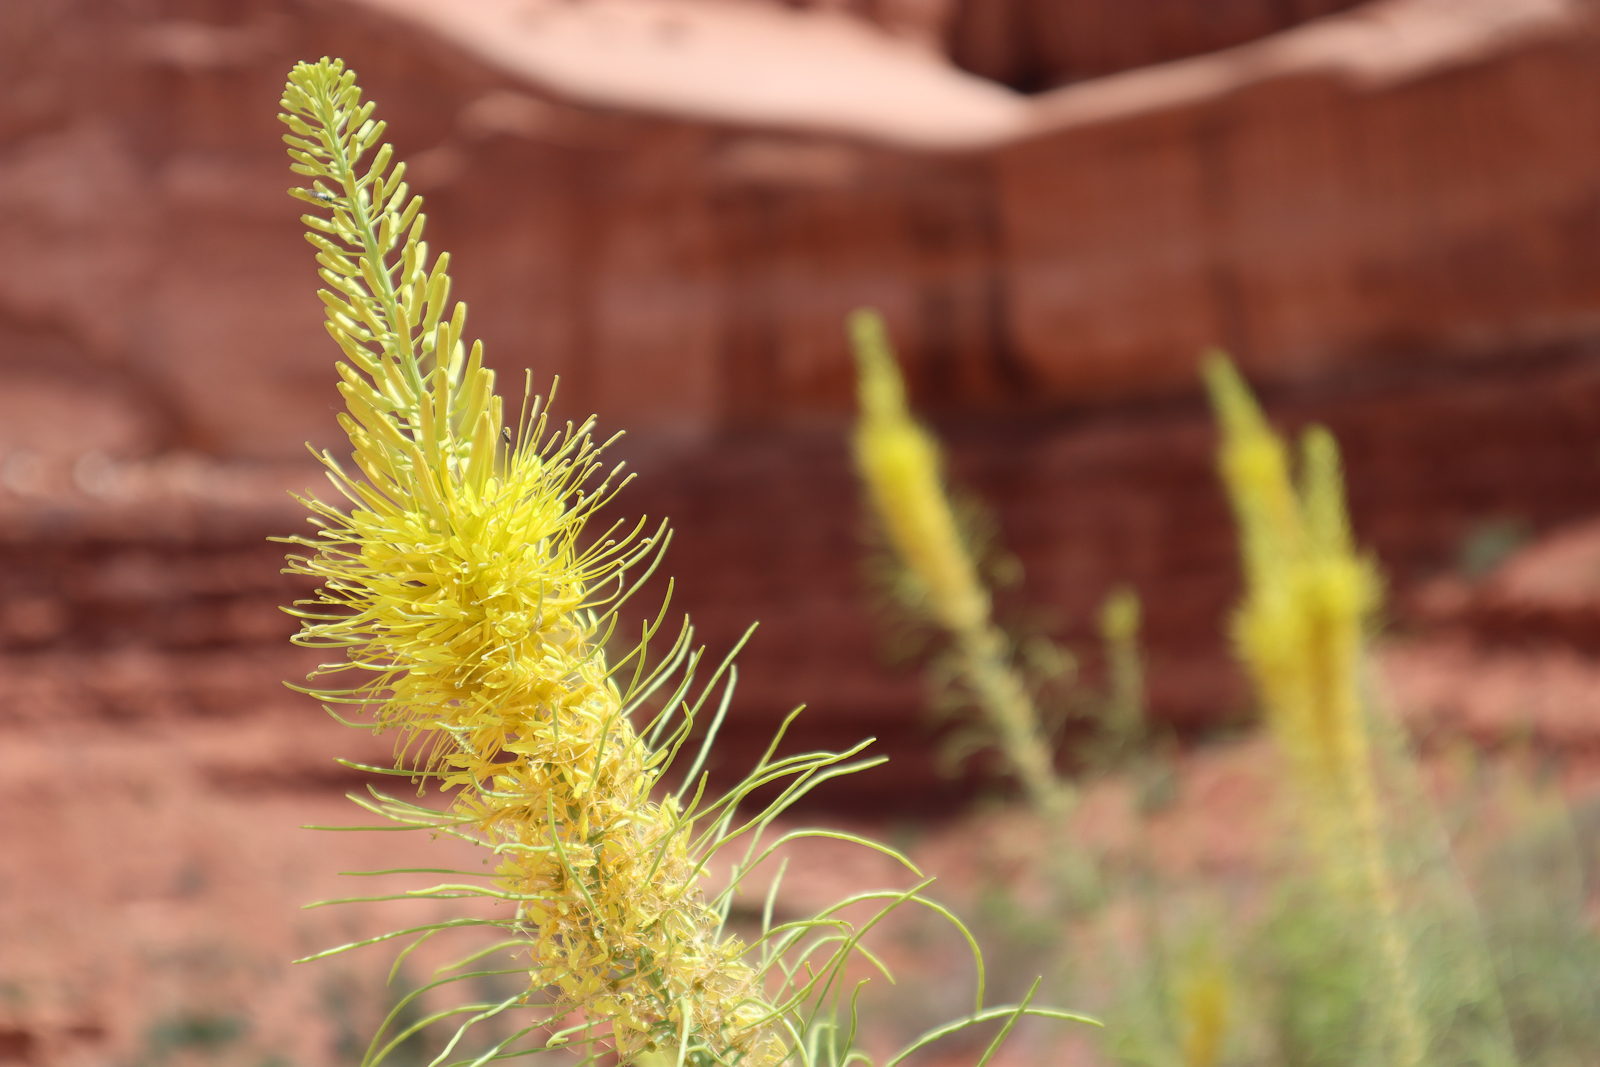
[(1507, 965), (1376, 938)]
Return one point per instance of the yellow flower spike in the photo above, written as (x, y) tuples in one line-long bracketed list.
[(900, 465), (1309, 599), (1204, 994), (1125, 716), (472, 621), (455, 584)]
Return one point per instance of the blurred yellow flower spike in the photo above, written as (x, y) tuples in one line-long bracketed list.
[(1309, 598), (900, 465), (1204, 991)]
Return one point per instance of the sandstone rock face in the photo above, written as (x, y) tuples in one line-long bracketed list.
[(1388, 213), (1409, 178), (1040, 44), (1309, 228)]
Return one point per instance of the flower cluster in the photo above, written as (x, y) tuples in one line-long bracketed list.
[(472, 621), (900, 466), (1309, 598)]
